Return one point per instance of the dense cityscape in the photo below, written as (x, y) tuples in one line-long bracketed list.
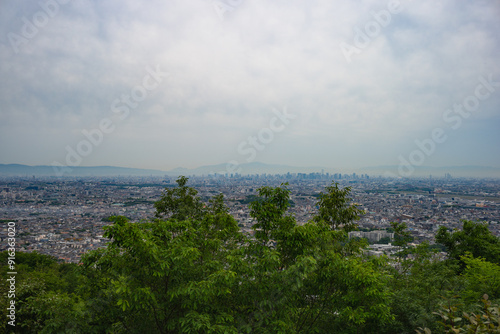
[(64, 217)]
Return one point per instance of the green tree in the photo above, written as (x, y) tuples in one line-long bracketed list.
[(417, 283), (402, 238), (487, 320), (46, 295), (384, 240), (418, 278), (166, 276), (312, 278), (480, 277), (336, 208), (269, 212), (199, 273), (179, 203), (475, 238)]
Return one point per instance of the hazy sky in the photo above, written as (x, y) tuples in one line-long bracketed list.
[(165, 84)]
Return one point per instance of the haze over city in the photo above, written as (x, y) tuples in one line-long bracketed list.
[(172, 84), (249, 166)]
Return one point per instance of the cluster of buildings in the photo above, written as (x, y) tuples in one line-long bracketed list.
[(64, 217)]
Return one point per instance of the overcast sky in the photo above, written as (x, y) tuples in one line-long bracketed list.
[(178, 83)]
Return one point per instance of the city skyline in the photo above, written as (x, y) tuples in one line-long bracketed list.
[(177, 84), (254, 169)]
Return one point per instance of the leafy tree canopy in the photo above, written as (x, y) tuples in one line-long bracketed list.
[(336, 208), (190, 269), (474, 238)]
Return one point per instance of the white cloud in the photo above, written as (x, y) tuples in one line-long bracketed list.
[(226, 76)]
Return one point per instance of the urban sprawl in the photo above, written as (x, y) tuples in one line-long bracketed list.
[(64, 217)]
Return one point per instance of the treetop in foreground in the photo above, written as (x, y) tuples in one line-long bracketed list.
[(190, 269)]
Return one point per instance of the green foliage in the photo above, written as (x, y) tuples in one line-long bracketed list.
[(198, 273), (191, 270), (166, 276), (46, 295), (269, 213), (336, 209), (385, 240), (32, 261), (401, 236), (487, 320), (480, 277), (179, 203), (475, 238), (421, 280), (418, 280)]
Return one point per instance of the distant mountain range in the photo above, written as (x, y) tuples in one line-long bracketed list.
[(245, 169)]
